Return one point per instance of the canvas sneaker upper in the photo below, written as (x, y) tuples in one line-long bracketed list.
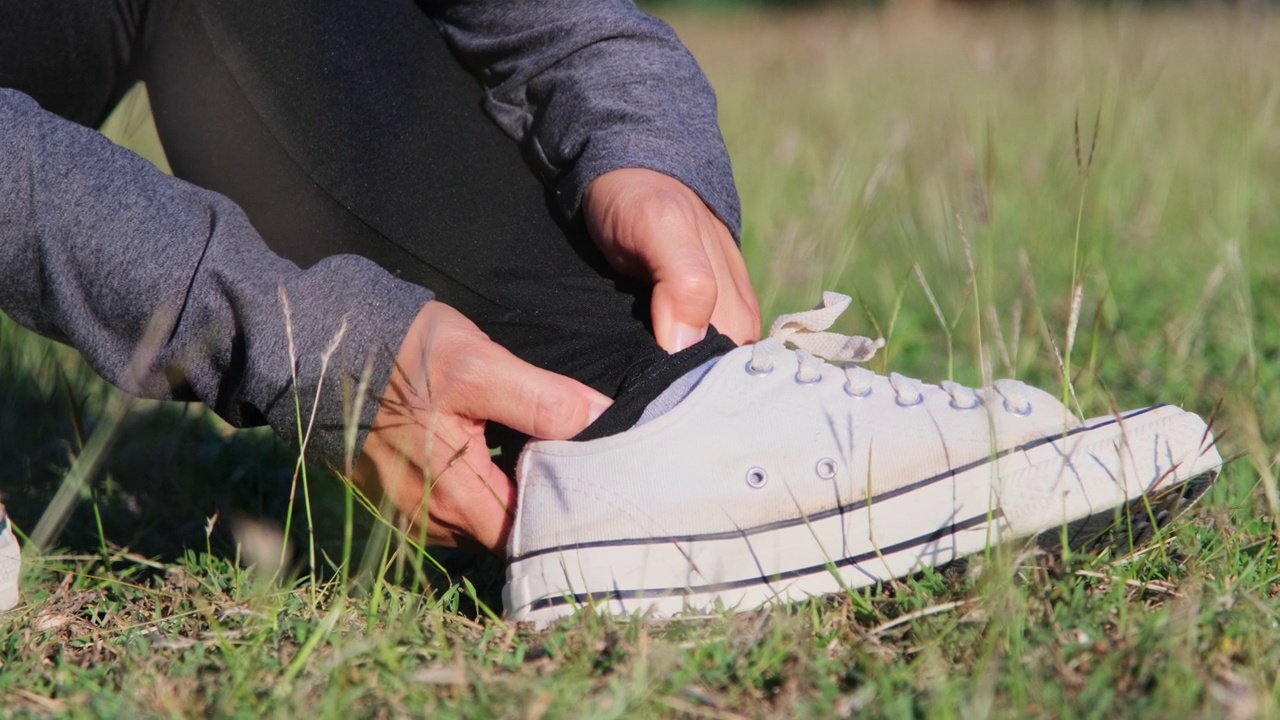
[(790, 470), (772, 434)]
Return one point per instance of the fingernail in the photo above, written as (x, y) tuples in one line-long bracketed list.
[(597, 409), (687, 336)]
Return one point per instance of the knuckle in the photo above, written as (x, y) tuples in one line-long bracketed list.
[(462, 373), (696, 287), (671, 210), (555, 413)]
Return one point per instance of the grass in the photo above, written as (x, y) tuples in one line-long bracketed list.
[(925, 160)]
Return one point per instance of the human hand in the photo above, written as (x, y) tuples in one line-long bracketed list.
[(426, 450), (651, 227)]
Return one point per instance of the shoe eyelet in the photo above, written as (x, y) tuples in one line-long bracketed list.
[(802, 381), (866, 392), (756, 477), (902, 403), (758, 372), (826, 468), (1020, 413), (977, 402)]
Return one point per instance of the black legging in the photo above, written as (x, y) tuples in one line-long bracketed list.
[(348, 127)]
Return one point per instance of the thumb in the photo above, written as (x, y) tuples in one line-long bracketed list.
[(528, 399), (667, 240), (684, 297)]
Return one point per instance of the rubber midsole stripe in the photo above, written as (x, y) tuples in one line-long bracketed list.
[(620, 594)]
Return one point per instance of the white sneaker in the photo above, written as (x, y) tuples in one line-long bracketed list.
[(781, 476), (10, 564)]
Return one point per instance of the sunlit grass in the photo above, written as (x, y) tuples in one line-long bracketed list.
[(923, 159)]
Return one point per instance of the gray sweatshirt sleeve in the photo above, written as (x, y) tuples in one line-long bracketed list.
[(589, 86), (169, 293)]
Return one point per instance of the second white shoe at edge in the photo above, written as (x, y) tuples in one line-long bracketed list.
[(10, 564), (783, 476)]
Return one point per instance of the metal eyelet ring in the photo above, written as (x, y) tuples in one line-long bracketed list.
[(866, 392), (1020, 413), (918, 401), (826, 468), (802, 381), (751, 369), (756, 477), (977, 401)]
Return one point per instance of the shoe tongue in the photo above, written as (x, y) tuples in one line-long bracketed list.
[(675, 392)]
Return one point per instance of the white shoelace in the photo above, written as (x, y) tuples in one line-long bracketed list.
[(807, 332)]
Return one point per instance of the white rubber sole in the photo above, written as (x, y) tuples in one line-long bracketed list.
[(1088, 473), (10, 565)]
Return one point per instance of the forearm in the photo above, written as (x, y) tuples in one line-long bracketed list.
[(589, 86), (169, 293)]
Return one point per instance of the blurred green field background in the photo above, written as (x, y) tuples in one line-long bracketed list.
[(961, 170)]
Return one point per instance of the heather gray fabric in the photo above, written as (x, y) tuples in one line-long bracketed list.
[(169, 293), (589, 86), (584, 86)]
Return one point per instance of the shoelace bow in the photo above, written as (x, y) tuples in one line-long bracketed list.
[(814, 345)]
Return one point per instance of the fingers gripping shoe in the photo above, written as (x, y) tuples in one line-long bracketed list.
[(10, 564), (783, 475)]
